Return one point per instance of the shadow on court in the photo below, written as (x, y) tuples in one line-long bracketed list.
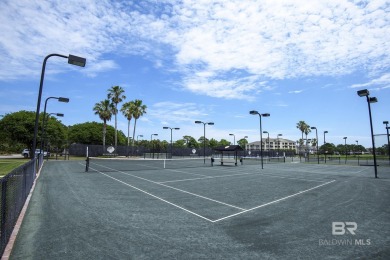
[(285, 211)]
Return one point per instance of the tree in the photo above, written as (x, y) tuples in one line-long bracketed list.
[(115, 93), (181, 143), (104, 111), (139, 110), (242, 143), (213, 143), (91, 133), (301, 125), (202, 140), (17, 130), (191, 141), (327, 148), (224, 142), (128, 110)]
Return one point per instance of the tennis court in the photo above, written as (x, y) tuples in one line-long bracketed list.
[(194, 211)]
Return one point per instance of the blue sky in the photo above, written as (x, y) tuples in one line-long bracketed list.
[(205, 60)]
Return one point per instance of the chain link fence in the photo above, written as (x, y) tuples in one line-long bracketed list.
[(14, 189)]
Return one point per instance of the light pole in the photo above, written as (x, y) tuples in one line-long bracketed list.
[(138, 143), (279, 144), (254, 112), (325, 132), (172, 128), (388, 139), (44, 133), (204, 137), (74, 60), (234, 138), (357, 144), (366, 93), (318, 156), (266, 132), (151, 136), (345, 145), (60, 99)]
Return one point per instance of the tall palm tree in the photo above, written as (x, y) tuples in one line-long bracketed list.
[(115, 94), (104, 109), (128, 110), (307, 131), (301, 125), (139, 110)]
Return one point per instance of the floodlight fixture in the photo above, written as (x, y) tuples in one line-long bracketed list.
[(363, 93)]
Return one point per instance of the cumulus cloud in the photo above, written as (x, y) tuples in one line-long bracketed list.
[(177, 113), (379, 83), (202, 40)]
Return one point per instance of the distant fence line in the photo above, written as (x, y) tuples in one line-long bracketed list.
[(141, 151), (14, 190)]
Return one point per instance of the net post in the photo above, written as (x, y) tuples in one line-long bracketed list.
[(87, 164)]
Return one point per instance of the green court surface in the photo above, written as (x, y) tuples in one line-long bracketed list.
[(284, 211)]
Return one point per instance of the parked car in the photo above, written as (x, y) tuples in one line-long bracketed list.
[(26, 153)]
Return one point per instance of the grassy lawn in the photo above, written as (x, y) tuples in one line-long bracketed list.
[(7, 165)]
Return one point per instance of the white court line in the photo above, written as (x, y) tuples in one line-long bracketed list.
[(154, 196), (194, 194), (272, 202), (208, 177), (280, 176)]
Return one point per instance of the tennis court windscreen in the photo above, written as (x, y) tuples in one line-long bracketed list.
[(127, 164), (257, 160)]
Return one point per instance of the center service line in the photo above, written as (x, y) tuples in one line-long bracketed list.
[(164, 185), (154, 196), (272, 202)]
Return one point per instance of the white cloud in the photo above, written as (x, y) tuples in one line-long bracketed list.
[(295, 91), (178, 113), (382, 82), (205, 39)]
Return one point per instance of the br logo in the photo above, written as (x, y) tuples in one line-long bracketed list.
[(340, 228)]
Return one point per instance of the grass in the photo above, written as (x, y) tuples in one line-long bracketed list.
[(7, 165)]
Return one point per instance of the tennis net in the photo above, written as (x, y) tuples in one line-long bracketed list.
[(128, 164), (257, 160)]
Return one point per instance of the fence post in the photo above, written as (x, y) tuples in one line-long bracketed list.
[(3, 211)]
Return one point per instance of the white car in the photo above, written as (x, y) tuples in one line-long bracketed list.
[(26, 153)]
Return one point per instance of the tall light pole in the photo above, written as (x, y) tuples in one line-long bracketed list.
[(366, 93), (357, 144), (234, 138), (60, 99), (172, 128), (43, 131), (388, 139), (74, 60), (139, 136), (266, 132), (318, 156), (345, 145), (279, 144), (204, 137), (325, 132), (254, 112)]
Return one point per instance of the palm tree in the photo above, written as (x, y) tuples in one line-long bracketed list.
[(115, 93), (128, 110), (307, 131), (104, 109), (139, 110), (301, 125)]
